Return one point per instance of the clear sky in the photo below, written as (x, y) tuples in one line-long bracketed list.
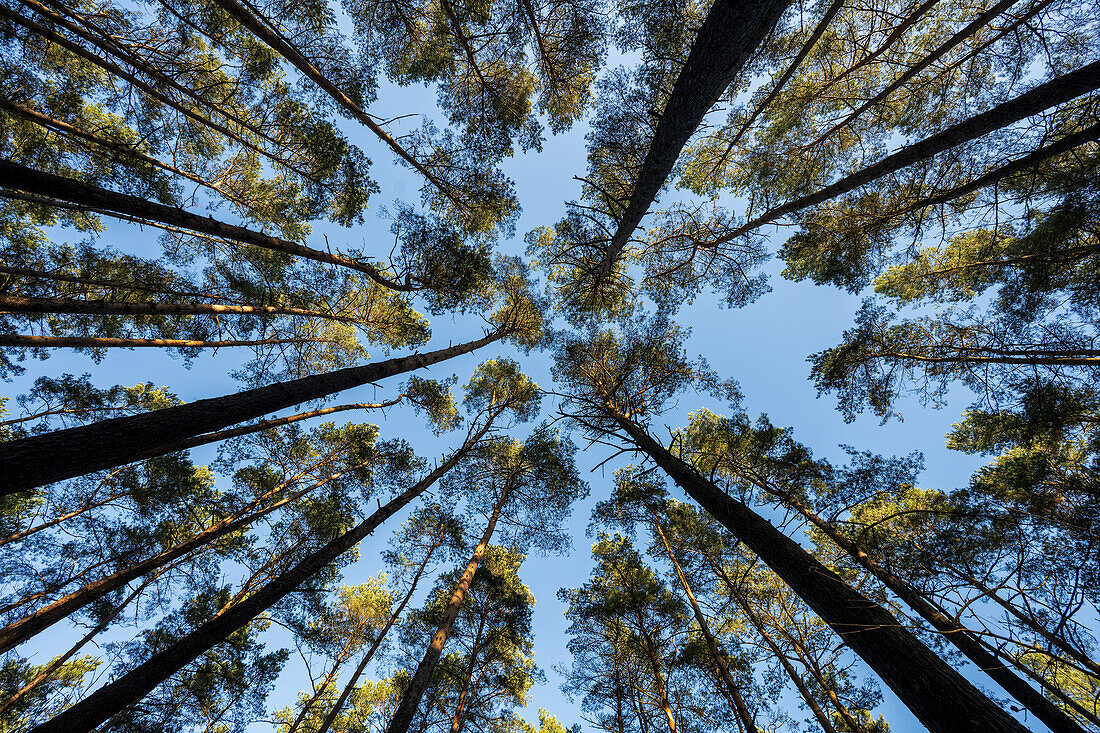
[(764, 346)]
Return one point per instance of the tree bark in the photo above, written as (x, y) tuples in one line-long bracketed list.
[(731, 32), (405, 712), (1052, 93), (942, 699), (71, 191), (23, 304), (26, 341), (62, 454), (92, 711)]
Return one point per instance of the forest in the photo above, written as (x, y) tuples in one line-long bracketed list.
[(756, 340)]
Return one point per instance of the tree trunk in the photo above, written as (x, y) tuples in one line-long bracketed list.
[(729, 35), (942, 699), (350, 686), (69, 190), (458, 720), (62, 454), (658, 677), (403, 717), (90, 712), (23, 304), (23, 341), (740, 708), (1054, 92)]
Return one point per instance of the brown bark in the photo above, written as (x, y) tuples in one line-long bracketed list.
[(658, 676), (43, 459), (69, 190), (23, 304), (406, 710), (732, 691), (109, 284), (941, 698), (1050, 94), (458, 720), (25, 341), (93, 710), (729, 35)]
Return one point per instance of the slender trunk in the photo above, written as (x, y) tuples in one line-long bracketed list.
[(24, 341), (261, 30), (118, 148), (941, 698), (619, 718), (403, 717), (781, 657), (319, 690), (729, 35), (93, 710), (25, 533), (1084, 357), (458, 720), (350, 686), (658, 677), (19, 631), (56, 663), (1031, 624), (62, 454), (1054, 92), (979, 23), (954, 632), (221, 435), (109, 284), (732, 691), (69, 190), (23, 304)]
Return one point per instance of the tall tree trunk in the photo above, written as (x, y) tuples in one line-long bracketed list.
[(403, 717), (23, 341), (942, 699), (729, 35), (954, 632), (20, 631), (1054, 92), (71, 191), (62, 454), (732, 691), (90, 712), (350, 686), (23, 304)]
